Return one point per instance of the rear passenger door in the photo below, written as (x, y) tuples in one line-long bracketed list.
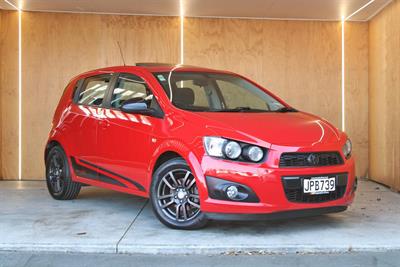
[(89, 100)]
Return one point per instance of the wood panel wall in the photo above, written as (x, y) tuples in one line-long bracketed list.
[(2, 28), (8, 94), (356, 92), (384, 101), (58, 46), (298, 60)]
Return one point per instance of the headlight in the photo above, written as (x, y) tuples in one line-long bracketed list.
[(253, 153), (232, 150), (214, 145), (224, 148), (347, 149)]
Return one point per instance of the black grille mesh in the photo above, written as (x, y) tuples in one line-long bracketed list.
[(288, 160)]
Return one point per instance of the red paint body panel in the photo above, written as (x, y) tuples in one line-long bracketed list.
[(129, 145)]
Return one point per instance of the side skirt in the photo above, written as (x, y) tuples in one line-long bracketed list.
[(93, 173)]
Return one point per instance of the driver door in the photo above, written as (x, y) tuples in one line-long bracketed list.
[(123, 138)]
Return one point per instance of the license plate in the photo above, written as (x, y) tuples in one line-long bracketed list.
[(319, 185)]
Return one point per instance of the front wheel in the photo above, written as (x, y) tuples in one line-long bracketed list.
[(175, 197)]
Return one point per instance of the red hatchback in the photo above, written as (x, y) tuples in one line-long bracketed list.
[(201, 144)]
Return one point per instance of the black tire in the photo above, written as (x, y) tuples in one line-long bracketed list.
[(180, 190), (58, 176)]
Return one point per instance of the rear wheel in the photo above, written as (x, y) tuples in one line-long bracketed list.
[(58, 176), (175, 197)]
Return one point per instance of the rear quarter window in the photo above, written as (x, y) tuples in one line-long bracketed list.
[(93, 90)]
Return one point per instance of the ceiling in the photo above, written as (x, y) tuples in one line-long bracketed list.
[(271, 9)]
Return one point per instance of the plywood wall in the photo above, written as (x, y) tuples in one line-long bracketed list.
[(384, 101), (356, 92), (1, 49), (298, 60), (8, 94), (58, 46)]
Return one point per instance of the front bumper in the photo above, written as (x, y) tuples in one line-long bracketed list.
[(282, 215), (267, 185)]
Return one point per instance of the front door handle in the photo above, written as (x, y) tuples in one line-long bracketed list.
[(104, 123)]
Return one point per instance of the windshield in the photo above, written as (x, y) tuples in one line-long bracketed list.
[(210, 92)]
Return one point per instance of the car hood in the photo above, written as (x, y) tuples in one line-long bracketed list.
[(285, 129)]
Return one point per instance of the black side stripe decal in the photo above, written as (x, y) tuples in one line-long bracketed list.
[(88, 173), (136, 184)]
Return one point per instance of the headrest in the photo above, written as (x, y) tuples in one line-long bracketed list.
[(183, 96)]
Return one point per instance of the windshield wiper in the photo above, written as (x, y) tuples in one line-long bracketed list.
[(242, 109), (285, 109), (204, 109), (192, 108), (196, 109)]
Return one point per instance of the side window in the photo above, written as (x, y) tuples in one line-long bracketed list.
[(94, 90), (130, 87)]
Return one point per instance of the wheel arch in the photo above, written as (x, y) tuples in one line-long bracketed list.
[(164, 157), (49, 146), (171, 149), (174, 150)]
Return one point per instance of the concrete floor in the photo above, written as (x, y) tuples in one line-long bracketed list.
[(107, 222)]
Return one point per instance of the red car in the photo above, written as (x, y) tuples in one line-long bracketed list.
[(200, 143)]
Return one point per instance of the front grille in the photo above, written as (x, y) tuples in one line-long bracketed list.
[(293, 187), (313, 159)]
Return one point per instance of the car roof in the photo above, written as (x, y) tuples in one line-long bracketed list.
[(157, 67)]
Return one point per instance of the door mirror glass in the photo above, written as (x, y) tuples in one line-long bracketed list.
[(135, 105)]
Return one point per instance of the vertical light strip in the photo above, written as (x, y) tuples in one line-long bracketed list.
[(181, 18), (343, 80), (19, 10), (344, 19), (20, 91)]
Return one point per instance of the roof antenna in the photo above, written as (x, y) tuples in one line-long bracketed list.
[(122, 55)]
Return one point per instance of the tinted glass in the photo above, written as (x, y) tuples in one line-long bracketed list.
[(132, 88), (94, 90), (213, 92), (200, 97), (236, 96)]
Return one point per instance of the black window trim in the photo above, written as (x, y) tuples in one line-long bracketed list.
[(76, 90)]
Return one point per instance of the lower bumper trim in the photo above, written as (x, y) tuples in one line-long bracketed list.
[(275, 215)]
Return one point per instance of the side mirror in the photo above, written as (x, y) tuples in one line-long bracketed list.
[(134, 107), (140, 108)]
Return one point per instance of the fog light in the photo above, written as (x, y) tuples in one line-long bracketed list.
[(232, 192)]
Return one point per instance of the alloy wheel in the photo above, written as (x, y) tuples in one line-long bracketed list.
[(56, 173), (178, 196)]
